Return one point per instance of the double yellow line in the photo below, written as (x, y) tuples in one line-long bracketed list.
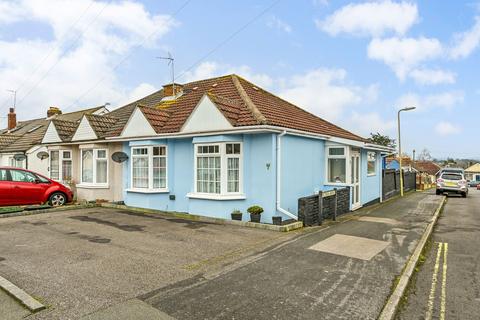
[(443, 295)]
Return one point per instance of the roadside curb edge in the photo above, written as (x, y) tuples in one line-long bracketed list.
[(390, 308), (24, 298)]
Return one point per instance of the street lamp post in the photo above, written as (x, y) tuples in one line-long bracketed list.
[(400, 147)]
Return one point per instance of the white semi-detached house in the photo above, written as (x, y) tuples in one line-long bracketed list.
[(80, 156), (21, 142)]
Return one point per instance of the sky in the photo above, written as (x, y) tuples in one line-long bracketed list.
[(352, 63)]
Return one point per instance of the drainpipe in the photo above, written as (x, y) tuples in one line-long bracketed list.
[(279, 179)]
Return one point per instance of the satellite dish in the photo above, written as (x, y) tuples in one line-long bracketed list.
[(119, 157), (19, 157), (42, 155)]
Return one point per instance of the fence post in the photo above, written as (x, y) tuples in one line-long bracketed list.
[(320, 208), (335, 205)]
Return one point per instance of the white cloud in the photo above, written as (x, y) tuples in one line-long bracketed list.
[(88, 52), (446, 128), (466, 42), (432, 76), (142, 90), (371, 19), (210, 69), (446, 100), (325, 92), (404, 54), (369, 122), (276, 23)]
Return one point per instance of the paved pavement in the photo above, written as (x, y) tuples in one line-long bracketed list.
[(10, 309), (82, 261), (448, 283), (325, 274)]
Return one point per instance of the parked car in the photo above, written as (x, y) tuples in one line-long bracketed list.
[(478, 186), (452, 182), (24, 187), (473, 183), (451, 170)]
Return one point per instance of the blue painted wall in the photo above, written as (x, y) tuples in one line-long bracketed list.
[(302, 169), (259, 178), (394, 164), (370, 186)]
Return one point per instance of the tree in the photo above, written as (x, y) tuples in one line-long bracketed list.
[(382, 140), (425, 155)]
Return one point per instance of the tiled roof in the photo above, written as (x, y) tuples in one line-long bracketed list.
[(31, 132), (426, 166), (242, 103), (101, 124), (6, 139), (65, 128), (474, 168)]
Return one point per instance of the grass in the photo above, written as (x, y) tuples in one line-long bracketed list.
[(10, 209)]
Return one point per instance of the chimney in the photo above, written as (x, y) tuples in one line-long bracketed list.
[(12, 119), (172, 89), (53, 111)]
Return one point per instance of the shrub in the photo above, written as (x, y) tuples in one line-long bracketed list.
[(255, 210), (236, 211)]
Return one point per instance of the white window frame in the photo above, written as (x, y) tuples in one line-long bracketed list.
[(346, 156), (150, 155), (374, 173), (15, 163), (60, 163), (224, 194), (94, 183)]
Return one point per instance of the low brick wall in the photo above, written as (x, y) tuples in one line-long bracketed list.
[(312, 210)]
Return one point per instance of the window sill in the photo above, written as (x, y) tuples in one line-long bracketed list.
[(208, 196), (92, 186), (371, 175), (148, 190)]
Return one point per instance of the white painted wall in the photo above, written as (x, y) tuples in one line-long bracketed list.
[(138, 126), (34, 163), (206, 117), (84, 131), (51, 135)]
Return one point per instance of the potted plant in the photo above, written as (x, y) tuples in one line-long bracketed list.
[(255, 213), (237, 215), (277, 220)]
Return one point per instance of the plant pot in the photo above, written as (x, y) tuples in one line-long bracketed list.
[(277, 220), (255, 217), (236, 216)]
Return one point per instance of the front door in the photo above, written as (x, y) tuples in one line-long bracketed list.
[(355, 179)]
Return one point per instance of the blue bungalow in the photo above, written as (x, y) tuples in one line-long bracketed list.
[(212, 146)]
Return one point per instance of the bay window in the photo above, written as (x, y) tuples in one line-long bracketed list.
[(371, 163), (61, 165), (149, 168), (336, 165), (94, 167), (218, 169)]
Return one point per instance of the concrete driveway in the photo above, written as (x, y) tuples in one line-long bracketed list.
[(81, 261)]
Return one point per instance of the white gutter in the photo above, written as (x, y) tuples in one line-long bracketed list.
[(279, 180)]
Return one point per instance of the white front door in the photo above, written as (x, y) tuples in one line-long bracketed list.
[(355, 178)]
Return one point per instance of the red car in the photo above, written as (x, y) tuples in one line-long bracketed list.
[(24, 187)]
